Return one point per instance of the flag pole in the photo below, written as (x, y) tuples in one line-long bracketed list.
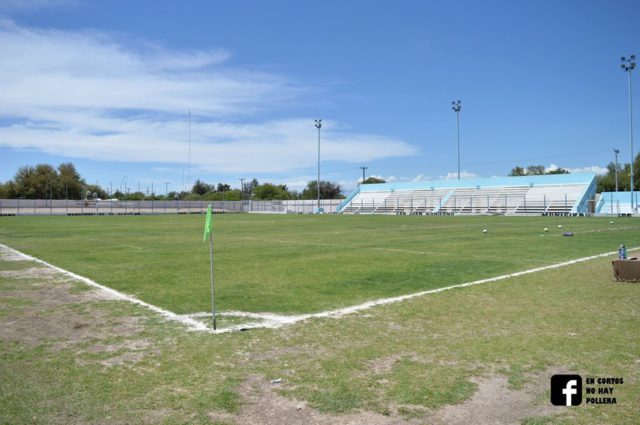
[(213, 305), (208, 233)]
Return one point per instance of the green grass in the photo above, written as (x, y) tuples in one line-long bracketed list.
[(575, 319), (301, 264)]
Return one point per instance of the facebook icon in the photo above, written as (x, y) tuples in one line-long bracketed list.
[(566, 390)]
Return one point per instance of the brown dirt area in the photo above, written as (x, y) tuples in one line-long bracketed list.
[(493, 403), (48, 307)]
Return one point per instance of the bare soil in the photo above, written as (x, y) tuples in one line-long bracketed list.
[(493, 403), (55, 311)]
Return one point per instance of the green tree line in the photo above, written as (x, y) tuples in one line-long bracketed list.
[(606, 182), (43, 181)]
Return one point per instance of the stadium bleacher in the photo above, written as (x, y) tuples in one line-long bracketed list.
[(616, 203), (560, 194)]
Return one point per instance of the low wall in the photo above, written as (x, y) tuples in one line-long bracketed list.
[(13, 207)]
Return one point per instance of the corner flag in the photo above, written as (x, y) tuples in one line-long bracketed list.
[(207, 225)]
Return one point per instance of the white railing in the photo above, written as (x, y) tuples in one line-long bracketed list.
[(12, 207)]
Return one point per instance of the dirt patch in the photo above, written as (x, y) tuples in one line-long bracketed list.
[(492, 403), (65, 327), (262, 405), (495, 403), (7, 254), (47, 295), (131, 351), (383, 364), (33, 272), (55, 312)]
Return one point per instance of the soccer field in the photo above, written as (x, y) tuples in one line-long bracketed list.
[(302, 264)]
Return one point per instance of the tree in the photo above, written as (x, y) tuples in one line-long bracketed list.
[(607, 182), (39, 182), (517, 171), (44, 181), (135, 196), (7, 190), (70, 181), (227, 195), (535, 170), (94, 191), (223, 187), (193, 197), (328, 190), (268, 191), (200, 188), (558, 170), (248, 187), (373, 180)]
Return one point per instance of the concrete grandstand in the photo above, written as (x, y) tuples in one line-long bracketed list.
[(560, 194), (616, 203)]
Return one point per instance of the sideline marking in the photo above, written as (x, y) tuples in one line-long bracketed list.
[(273, 321), (191, 324)]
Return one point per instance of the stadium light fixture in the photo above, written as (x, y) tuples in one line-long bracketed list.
[(628, 65), (318, 125), (616, 152), (457, 107)]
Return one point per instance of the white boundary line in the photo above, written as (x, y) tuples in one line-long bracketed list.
[(188, 322), (273, 321)]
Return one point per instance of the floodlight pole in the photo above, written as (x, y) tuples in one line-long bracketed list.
[(628, 65), (318, 125), (456, 106), (616, 152)]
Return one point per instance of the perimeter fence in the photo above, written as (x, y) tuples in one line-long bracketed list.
[(21, 207)]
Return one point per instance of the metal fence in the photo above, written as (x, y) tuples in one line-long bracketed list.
[(13, 207)]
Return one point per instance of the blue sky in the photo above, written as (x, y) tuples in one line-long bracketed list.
[(108, 86)]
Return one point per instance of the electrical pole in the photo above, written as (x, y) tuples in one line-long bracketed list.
[(363, 168)]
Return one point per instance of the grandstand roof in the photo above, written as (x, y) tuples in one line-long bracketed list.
[(548, 179)]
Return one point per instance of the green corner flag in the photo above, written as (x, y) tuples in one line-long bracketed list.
[(207, 225)]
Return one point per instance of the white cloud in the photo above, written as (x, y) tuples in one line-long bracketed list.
[(589, 169), (454, 175), (86, 95)]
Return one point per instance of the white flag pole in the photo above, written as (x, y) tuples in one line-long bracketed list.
[(213, 305)]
